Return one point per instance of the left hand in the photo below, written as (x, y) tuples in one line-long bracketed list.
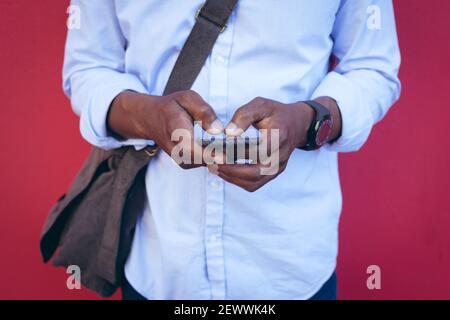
[(292, 121)]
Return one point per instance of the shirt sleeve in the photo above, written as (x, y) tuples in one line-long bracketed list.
[(94, 70), (365, 81)]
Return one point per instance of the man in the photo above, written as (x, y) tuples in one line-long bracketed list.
[(227, 231)]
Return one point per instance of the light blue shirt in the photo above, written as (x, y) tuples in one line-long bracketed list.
[(200, 237)]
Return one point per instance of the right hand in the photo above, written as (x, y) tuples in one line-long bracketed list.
[(141, 116)]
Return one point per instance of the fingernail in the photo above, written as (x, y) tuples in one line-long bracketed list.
[(216, 127), (233, 130), (214, 169)]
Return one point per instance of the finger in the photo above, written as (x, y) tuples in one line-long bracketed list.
[(247, 172), (273, 137), (244, 184), (247, 185), (250, 113), (266, 147), (253, 172), (200, 110), (189, 166)]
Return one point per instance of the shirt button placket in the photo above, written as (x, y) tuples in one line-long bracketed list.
[(218, 91)]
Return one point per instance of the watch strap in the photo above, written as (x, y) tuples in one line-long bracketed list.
[(321, 114)]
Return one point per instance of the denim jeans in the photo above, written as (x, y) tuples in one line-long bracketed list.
[(328, 290)]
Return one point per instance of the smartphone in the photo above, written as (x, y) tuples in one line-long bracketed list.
[(242, 149)]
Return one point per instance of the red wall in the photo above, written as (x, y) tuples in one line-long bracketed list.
[(396, 189)]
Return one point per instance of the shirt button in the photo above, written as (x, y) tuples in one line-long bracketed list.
[(215, 184)]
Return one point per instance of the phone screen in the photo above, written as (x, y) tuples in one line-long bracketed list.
[(236, 149)]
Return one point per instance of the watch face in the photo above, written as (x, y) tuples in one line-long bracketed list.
[(324, 132)]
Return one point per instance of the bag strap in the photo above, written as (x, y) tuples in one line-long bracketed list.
[(211, 20)]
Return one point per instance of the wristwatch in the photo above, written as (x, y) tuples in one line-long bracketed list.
[(320, 129)]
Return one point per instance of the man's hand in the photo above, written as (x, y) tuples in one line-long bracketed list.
[(135, 115), (292, 121)]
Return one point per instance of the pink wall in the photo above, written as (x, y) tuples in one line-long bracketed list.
[(396, 189)]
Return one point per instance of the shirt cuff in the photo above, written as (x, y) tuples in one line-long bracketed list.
[(357, 120), (93, 117)]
